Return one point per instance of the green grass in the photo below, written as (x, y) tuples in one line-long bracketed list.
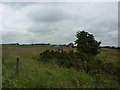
[(36, 74), (109, 55)]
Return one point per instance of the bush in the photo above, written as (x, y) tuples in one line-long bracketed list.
[(68, 59), (78, 61)]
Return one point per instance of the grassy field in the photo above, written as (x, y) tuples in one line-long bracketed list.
[(109, 55), (34, 73)]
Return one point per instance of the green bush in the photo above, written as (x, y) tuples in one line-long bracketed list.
[(78, 61)]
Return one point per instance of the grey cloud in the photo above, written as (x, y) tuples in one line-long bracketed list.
[(41, 30), (48, 14), (15, 36), (59, 22), (18, 5)]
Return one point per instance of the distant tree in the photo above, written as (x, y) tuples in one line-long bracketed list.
[(105, 46), (70, 45), (86, 43)]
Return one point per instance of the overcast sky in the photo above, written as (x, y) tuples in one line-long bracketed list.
[(57, 23)]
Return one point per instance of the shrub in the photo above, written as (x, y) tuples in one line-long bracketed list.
[(76, 60)]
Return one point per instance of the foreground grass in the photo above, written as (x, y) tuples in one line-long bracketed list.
[(34, 73), (46, 76)]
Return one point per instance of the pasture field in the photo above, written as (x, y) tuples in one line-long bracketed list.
[(34, 73)]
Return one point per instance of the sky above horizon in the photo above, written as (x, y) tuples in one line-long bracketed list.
[(57, 23)]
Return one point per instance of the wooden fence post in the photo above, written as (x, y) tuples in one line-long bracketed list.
[(97, 81), (17, 66)]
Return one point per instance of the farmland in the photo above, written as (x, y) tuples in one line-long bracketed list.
[(34, 73)]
